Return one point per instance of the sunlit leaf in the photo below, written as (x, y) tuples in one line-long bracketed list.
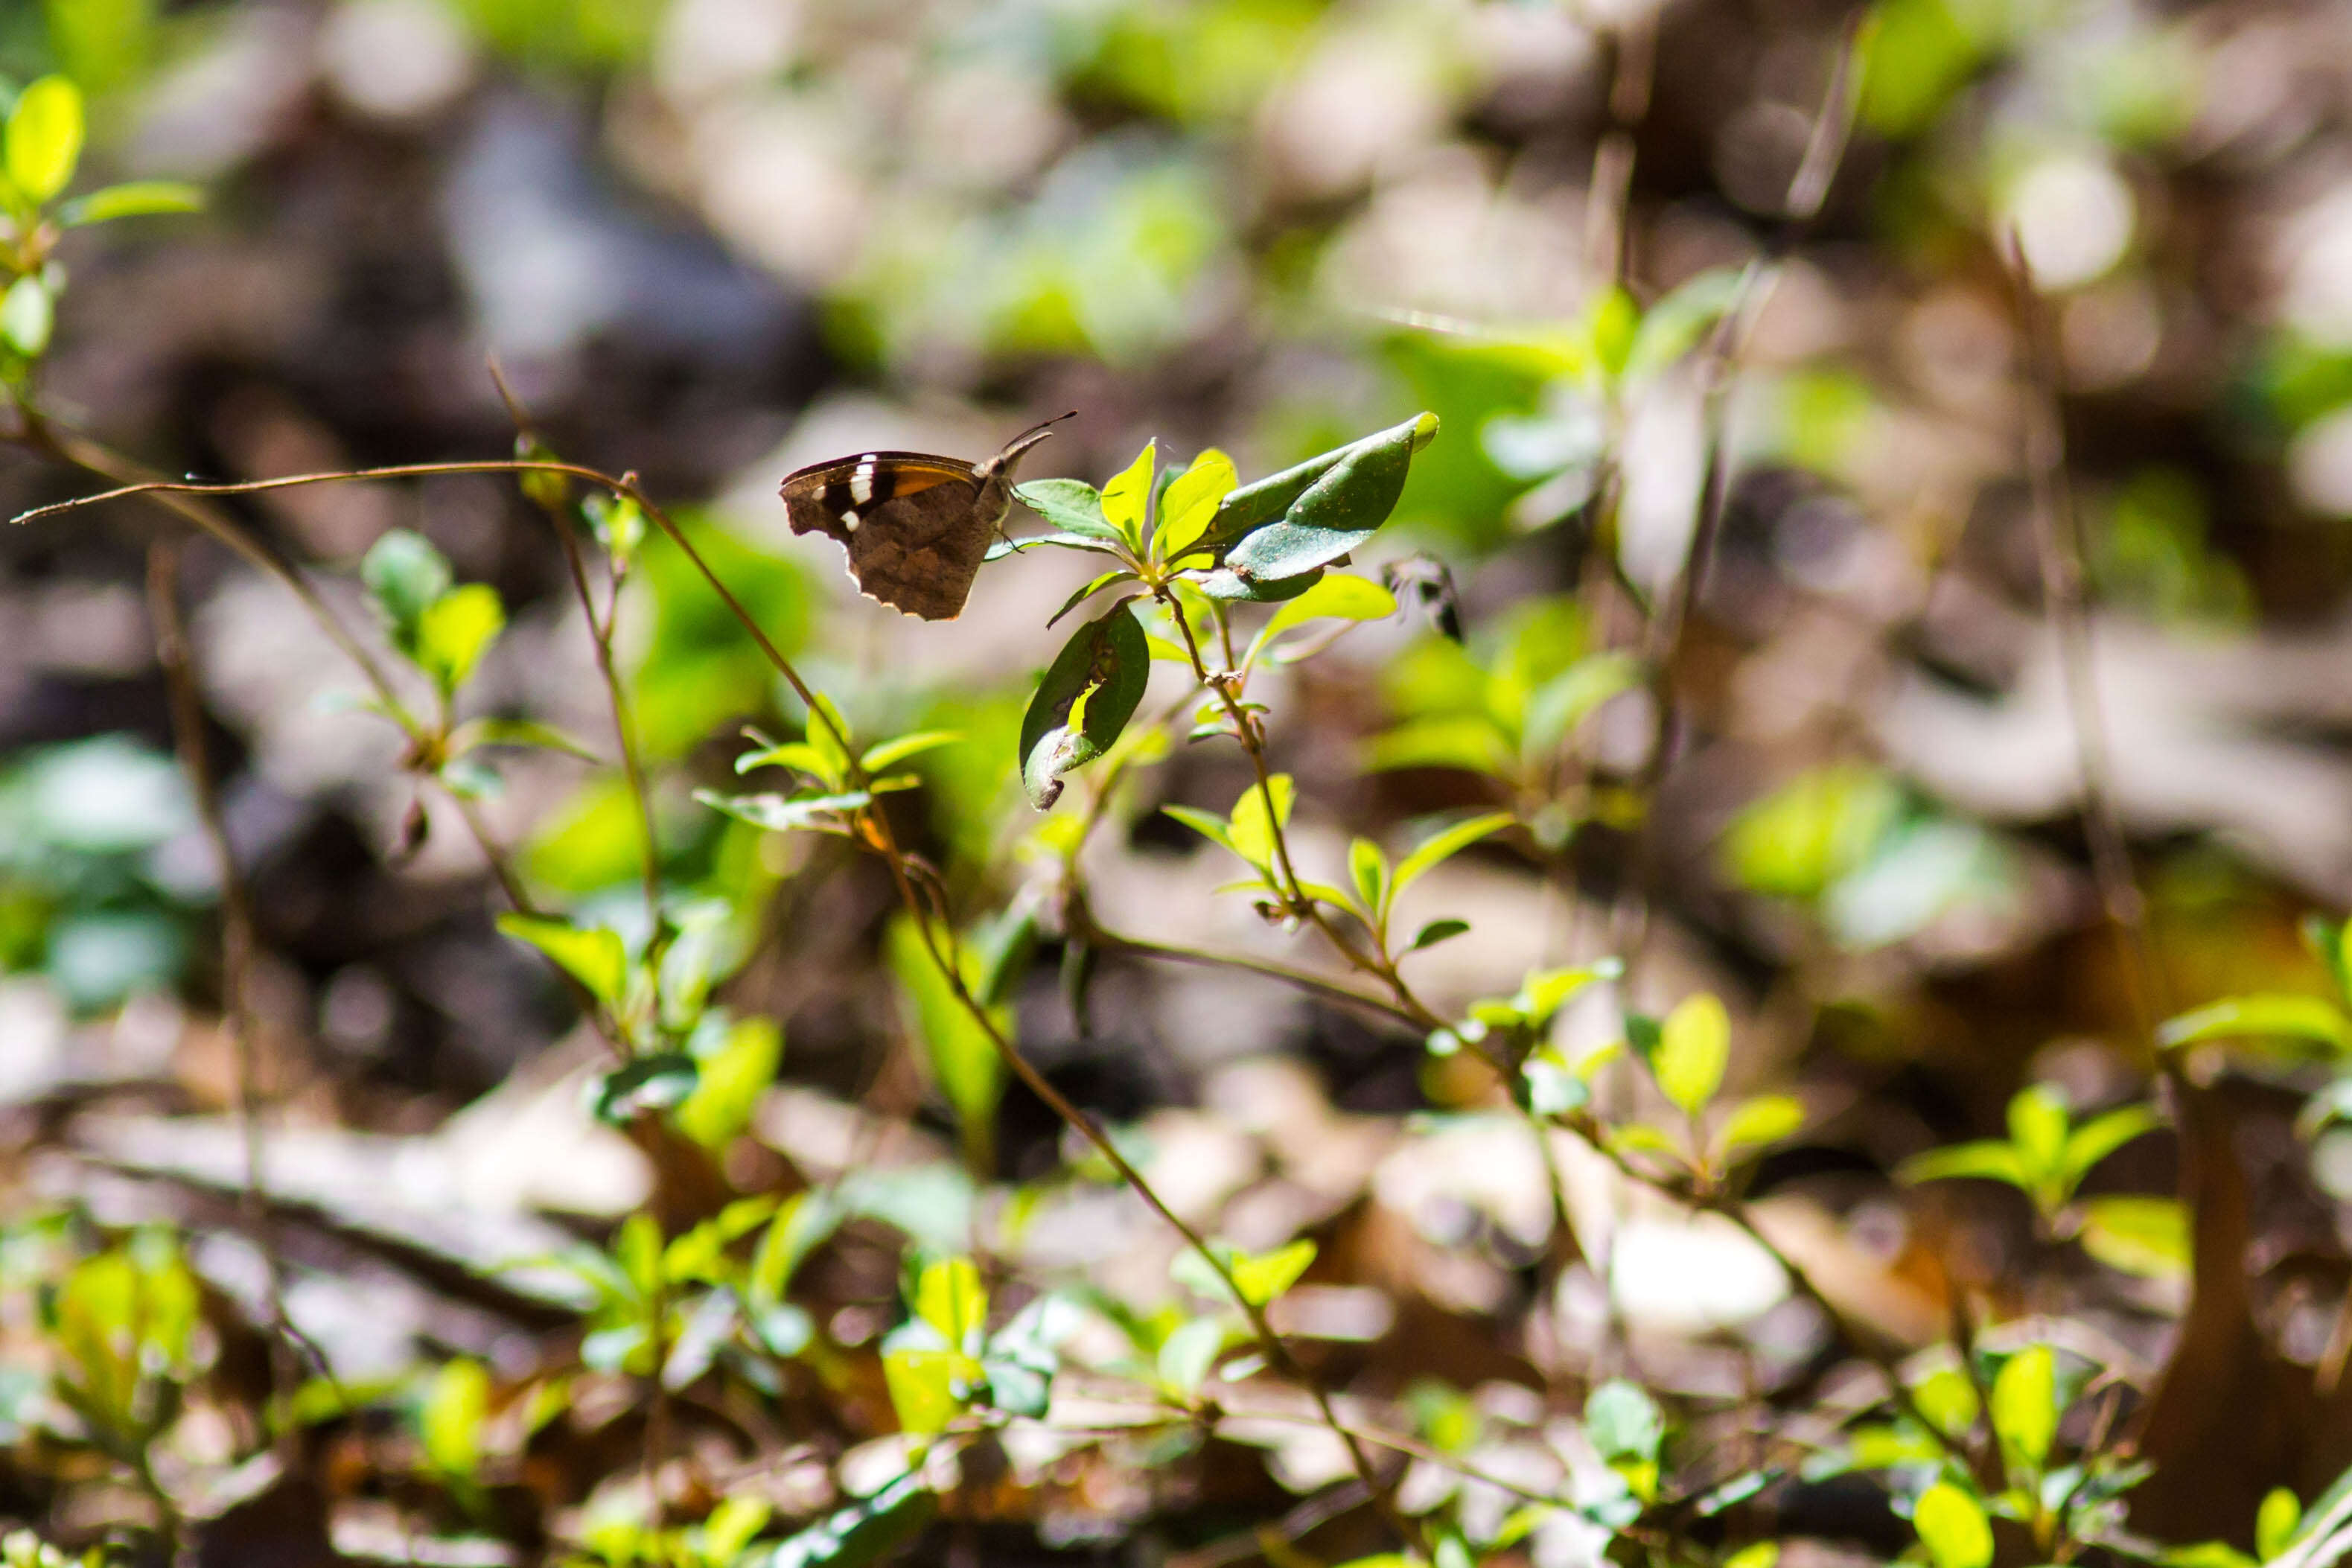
[(1694, 1047), (2308, 1020), (1759, 1122), (1953, 1527), (27, 316), (1125, 498), (133, 198), (2025, 1405), (455, 631), (2101, 1136), (1368, 869), (449, 1421), (1443, 847), (44, 138), (1252, 830), (594, 957), (1984, 1160), (1191, 502), (889, 752), (949, 1296), (2140, 1235)]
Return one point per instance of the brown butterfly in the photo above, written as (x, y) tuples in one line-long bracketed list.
[(916, 526)]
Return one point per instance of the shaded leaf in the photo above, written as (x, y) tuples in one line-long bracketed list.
[(1085, 701), (1343, 507)]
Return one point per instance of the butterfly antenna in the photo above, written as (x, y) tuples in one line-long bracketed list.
[(1028, 439)]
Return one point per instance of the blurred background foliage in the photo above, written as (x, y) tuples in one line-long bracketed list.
[(711, 240)]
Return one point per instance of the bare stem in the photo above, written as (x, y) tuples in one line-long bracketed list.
[(1808, 190), (238, 947), (2058, 548)]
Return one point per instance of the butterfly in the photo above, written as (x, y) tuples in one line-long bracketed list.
[(915, 525)]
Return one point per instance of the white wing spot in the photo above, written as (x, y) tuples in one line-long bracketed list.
[(850, 519), (861, 483)]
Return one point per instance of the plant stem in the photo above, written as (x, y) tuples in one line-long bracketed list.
[(176, 657)]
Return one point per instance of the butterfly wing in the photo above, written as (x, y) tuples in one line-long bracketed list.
[(909, 521)]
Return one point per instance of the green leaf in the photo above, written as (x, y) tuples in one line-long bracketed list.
[(2309, 1020), (1466, 741), (1262, 1277), (2037, 1131), (656, 1082), (404, 574), (2102, 1136), (860, 1535), (1759, 1122), (1567, 700), (878, 758), (133, 198), (449, 1422), (1071, 505), (1434, 932), (1125, 498), (594, 957), (1672, 327), (1251, 831), (44, 138), (1342, 507), (1694, 1047), (1368, 869), (1953, 1527), (785, 814), (476, 732), (2275, 1523), (730, 1081), (1983, 1160), (1609, 322), (2025, 1405), (923, 1386), (949, 1296), (1256, 505), (1949, 1400), (2144, 1237), (1624, 1423), (1187, 1356), (27, 316), (1337, 597), (1443, 847), (1190, 503), (454, 630), (1084, 702), (961, 1057), (1093, 587), (1207, 823)]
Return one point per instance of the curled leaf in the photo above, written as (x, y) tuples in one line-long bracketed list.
[(1084, 702)]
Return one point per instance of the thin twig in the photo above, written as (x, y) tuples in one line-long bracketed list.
[(2058, 548), (1808, 190), (174, 654)]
